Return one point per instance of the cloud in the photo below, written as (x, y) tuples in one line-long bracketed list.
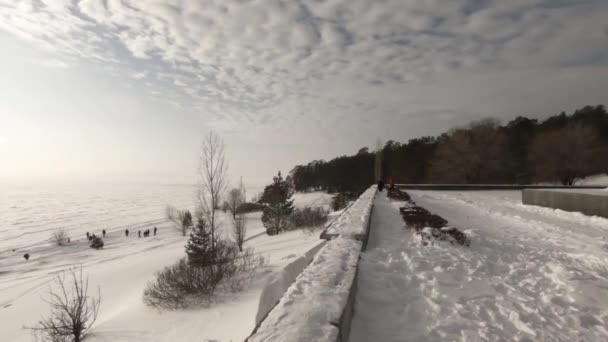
[(54, 63), (271, 62)]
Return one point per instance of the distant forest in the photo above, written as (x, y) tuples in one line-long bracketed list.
[(563, 148)]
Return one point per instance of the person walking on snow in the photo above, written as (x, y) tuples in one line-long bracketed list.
[(391, 183), (380, 185)]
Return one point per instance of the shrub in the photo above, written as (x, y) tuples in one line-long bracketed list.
[(240, 230), (309, 217), (60, 237), (182, 219), (341, 200), (96, 243), (73, 311), (175, 284), (249, 207), (225, 206), (184, 284)]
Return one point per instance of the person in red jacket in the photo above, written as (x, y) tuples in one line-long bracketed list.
[(391, 183)]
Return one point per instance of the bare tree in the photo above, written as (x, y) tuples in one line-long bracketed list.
[(60, 237), (181, 218), (73, 311), (240, 230), (567, 154), (474, 154), (235, 199), (212, 171)]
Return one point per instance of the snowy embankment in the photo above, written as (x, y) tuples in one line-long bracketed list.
[(122, 269), (530, 274), (313, 306)]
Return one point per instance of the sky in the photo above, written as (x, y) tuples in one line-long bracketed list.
[(125, 90)]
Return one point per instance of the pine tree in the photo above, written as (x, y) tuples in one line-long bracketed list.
[(199, 247), (187, 220), (278, 205)]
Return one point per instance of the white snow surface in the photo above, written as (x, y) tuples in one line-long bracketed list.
[(352, 223), (313, 199), (594, 192), (123, 267), (278, 283), (601, 179), (317, 298), (530, 274)]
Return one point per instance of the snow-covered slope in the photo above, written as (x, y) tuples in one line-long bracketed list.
[(530, 274), (122, 269)]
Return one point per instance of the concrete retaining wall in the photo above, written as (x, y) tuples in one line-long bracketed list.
[(320, 304), (588, 202), (279, 283)]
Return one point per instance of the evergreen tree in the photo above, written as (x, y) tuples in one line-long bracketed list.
[(199, 247), (278, 205), (187, 220)]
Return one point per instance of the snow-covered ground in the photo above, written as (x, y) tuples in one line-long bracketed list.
[(530, 274), (594, 180), (122, 269), (313, 199)]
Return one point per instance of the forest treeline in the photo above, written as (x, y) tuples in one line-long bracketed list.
[(562, 148)]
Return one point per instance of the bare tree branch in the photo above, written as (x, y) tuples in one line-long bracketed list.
[(212, 171), (73, 311)]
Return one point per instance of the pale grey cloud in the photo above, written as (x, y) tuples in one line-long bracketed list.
[(328, 65)]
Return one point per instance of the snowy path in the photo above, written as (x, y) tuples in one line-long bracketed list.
[(531, 274)]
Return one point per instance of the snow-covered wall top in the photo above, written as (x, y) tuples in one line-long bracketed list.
[(353, 222), (311, 308)]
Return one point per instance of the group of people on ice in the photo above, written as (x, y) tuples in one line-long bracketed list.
[(146, 233)]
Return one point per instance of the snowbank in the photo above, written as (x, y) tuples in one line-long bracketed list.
[(278, 283), (601, 179), (354, 221), (312, 307)]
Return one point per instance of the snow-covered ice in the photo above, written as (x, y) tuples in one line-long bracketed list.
[(530, 274)]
